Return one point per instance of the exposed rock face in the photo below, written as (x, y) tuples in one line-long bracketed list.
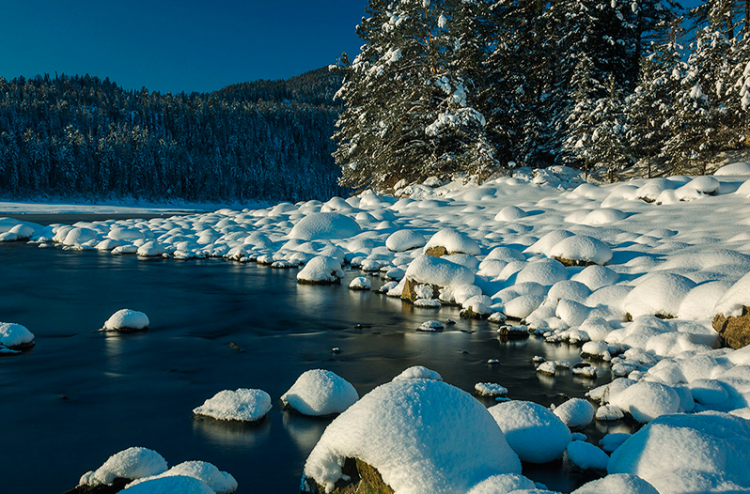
[(438, 251), (117, 485), (410, 290), (734, 330), (362, 479)]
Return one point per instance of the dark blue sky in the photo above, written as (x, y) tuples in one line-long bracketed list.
[(177, 45)]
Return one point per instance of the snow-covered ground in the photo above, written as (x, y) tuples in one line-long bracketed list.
[(638, 269)]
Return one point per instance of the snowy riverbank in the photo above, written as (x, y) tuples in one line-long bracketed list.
[(643, 267)]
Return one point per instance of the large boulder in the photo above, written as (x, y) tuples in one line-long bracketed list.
[(732, 314), (435, 272), (421, 436)]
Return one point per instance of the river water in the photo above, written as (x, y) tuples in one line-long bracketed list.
[(80, 395)]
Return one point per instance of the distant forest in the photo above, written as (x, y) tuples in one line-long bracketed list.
[(84, 137)]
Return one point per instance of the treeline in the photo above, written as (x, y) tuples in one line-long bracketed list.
[(85, 137), (476, 87)]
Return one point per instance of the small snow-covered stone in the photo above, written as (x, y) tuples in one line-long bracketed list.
[(126, 320), (586, 456), (243, 404), (219, 482), (418, 372), (360, 283), (320, 392), (321, 269), (581, 250), (170, 485), (490, 389), (15, 336), (325, 226), (607, 413), (619, 483), (430, 326), (646, 401), (452, 242), (404, 240)]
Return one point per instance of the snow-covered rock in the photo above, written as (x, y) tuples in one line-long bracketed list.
[(127, 320), (430, 270), (536, 434), (325, 226), (575, 412), (581, 250), (619, 483), (646, 401), (217, 481), (452, 242), (422, 436), (15, 336), (418, 372), (320, 392), (490, 389), (586, 456), (243, 404), (688, 453), (170, 485), (660, 294), (321, 269), (404, 240), (360, 283), (132, 463)]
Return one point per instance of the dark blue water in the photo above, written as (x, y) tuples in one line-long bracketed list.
[(80, 396)]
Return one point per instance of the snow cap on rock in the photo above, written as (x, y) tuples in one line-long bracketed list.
[(325, 226), (320, 392)]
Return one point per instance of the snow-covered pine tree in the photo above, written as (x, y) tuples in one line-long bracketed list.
[(608, 142), (409, 109), (698, 128), (582, 120), (649, 109)]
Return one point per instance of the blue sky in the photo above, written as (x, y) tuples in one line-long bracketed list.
[(177, 45)]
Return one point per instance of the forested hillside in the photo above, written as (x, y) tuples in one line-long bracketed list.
[(85, 137)]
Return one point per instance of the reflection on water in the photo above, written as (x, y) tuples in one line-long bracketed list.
[(305, 431), (233, 433), (217, 325)]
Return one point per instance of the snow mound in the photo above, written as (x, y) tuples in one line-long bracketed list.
[(575, 412), (422, 436), (659, 294), (125, 320), (320, 392), (170, 485), (14, 335), (523, 306), (737, 297), (325, 226), (454, 242), (546, 272), (510, 213), (596, 277), (321, 269), (709, 449), (582, 250), (418, 372), (132, 463), (404, 240), (620, 483), (219, 482), (503, 484), (242, 404), (430, 270), (699, 303), (536, 434), (646, 401), (733, 169), (586, 456)]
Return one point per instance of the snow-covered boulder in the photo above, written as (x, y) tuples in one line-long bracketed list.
[(321, 270), (490, 389), (646, 401), (15, 336), (510, 213), (151, 249), (575, 412), (659, 295), (325, 226), (733, 169), (545, 272), (132, 463), (732, 314), (127, 320), (535, 433), (421, 436), (619, 483), (404, 240), (704, 452), (580, 250), (436, 272), (449, 241), (320, 392), (243, 404)]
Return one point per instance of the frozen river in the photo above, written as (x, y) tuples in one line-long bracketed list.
[(80, 396)]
